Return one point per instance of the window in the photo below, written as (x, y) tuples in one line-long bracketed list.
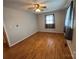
[(69, 18), (50, 21), (69, 22)]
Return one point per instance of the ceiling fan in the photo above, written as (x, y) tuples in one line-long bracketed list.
[(37, 7), (34, 5)]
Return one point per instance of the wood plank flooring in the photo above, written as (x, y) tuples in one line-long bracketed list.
[(39, 46)]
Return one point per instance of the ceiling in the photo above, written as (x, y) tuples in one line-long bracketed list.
[(52, 5)]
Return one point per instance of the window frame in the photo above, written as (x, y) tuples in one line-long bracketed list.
[(50, 24)]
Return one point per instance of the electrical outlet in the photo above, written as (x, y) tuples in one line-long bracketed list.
[(17, 25)]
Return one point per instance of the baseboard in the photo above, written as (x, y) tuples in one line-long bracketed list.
[(21, 40), (52, 32), (70, 50)]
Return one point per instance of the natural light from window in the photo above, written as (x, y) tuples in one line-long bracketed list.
[(49, 19)]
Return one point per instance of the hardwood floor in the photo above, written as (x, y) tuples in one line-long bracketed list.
[(40, 46)]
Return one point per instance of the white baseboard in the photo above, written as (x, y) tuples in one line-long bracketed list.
[(21, 40), (69, 45), (51, 32)]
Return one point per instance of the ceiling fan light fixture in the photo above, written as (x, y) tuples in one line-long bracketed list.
[(37, 10)]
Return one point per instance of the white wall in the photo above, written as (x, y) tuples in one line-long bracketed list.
[(73, 43), (59, 22), (27, 24)]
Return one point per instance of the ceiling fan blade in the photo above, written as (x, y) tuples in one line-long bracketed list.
[(43, 6), (30, 8)]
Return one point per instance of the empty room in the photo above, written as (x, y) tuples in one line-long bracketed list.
[(39, 29)]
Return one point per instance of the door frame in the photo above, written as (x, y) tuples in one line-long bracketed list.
[(5, 37)]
